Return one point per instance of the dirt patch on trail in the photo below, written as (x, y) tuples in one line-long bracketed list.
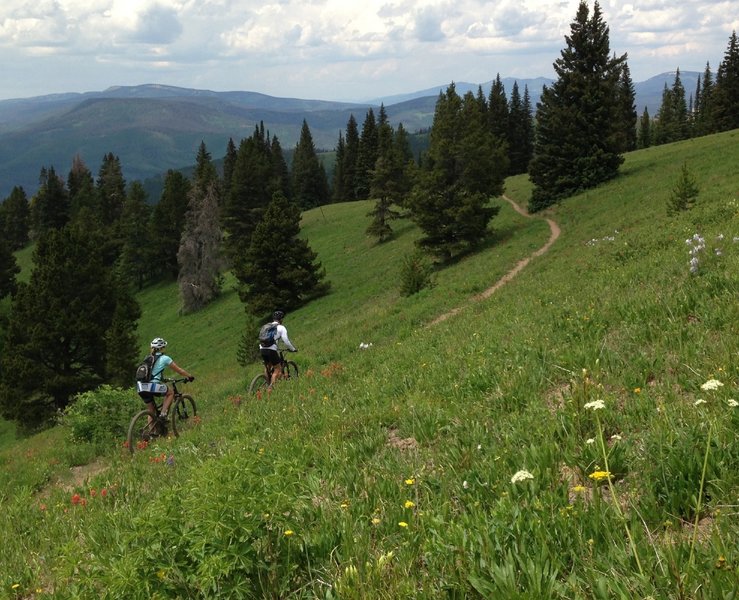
[(554, 234), (81, 474)]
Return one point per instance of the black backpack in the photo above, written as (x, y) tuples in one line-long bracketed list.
[(144, 370), (267, 335)]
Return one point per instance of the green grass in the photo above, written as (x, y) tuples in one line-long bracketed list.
[(386, 472)]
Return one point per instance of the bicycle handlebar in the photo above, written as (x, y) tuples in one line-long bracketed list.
[(180, 380)]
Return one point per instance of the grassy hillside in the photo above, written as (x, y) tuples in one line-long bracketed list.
[(469, 458)]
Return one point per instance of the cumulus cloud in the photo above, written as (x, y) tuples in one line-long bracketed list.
[(157, 25)]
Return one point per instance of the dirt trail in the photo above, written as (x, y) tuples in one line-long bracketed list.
[(555, 231)]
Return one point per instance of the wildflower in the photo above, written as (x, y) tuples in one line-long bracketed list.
[(289, 532), (521, 475), (712, 384), (15, 586), (590, 441), (465, 485), (600, 475), (578, 489), (595, 405), (615, 436), (93, 492), (479, 446), (699, 401), (161, 574), (403, 524), (409, 504), (410, 481), (104, 492), (76, 499), (345, 504), (733, 403), (637, 390), (375, 521)]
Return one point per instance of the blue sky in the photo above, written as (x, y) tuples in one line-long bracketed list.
[(333, 49)]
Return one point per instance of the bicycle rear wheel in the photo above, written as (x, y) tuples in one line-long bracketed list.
[(290, 370), (142, 431), (184, 414), (258, 383)]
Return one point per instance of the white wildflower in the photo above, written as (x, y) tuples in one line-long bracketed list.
[(521, 475), (733, 403), (465, 485), (595, 405), (590, 441), (699, 401), (712, 384), (615, 436)]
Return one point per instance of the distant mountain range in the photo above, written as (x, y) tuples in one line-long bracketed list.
[(153, 128)]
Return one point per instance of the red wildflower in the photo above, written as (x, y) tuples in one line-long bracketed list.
[(104, 492), (93, 493), (76, 499)]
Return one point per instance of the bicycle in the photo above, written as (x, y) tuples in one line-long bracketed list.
[(261, 381), (182, 414)]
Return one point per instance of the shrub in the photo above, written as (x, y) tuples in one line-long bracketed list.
[(101, 414), (684, 194), (415, 274)]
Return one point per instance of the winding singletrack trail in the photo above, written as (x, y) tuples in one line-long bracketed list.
[(555, 231)]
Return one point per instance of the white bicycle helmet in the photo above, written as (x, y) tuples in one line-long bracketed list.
[(158, 343)]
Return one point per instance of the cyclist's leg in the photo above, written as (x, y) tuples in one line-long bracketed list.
[(168, 397)]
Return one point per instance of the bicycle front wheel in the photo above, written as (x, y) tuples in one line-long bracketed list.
[(184, 414), (142, 431), (258, 383), (290, 370)]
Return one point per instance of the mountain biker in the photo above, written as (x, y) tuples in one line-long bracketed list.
[(270, 356), (158, 388)]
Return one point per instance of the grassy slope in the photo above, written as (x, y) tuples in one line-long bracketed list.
[(456, 408)]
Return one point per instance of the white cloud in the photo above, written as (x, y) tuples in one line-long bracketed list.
[(333, 49)]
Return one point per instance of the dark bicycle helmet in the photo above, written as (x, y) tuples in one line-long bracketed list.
[(278, 315)]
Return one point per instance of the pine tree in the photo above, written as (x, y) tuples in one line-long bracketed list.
[(84, 199), (121, 343), (168, 223), (280, 267), (309, 182), (50, 206), (111, 187), (726, 92), (644, 139), (8, 270), (577, 117), (498, 110), (56, 338), (15, 219), (199, 256), (704, 119), (464, 167), (338, 193), (134, 263), (368, 153), (229, 164), (626, 136), (350, 162), (520, 131), (280, 178), (664, 130)]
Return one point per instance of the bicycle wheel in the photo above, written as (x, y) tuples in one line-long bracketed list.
[(184, 414), (141, 432), (258, 383), (290, 370)]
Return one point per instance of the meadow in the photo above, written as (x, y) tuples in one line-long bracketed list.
[(572, 436)]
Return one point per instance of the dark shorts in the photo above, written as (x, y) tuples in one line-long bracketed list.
[(270, 357)]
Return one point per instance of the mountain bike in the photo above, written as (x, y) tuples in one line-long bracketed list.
[(144, 429), (289, 371)]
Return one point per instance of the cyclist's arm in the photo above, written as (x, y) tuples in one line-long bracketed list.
[(174, 366), (282, 330)]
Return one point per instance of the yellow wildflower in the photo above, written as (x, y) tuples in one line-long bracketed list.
[(409, 504), (403, 524), (600, 475), (289, 532), (410, 481)]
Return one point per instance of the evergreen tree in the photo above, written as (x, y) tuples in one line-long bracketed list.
[(309, 182), (498, 110), (111, 187), (249, 194), (350, 162), (338, 193), (368, 153), (280, 267), (384, 133), (168, 223), (726, 93), (280, 177), (15, 219), (229, 164), (50, 205), (665, 126), (704, 117), (8, 270), (520, 131), (577, 118), (83, 197), (135, 261), (121, 343), (55, 346), (644, 139), (465, 166), (199, 256), (626, 136)]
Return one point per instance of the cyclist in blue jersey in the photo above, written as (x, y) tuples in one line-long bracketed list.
[(149, 391)]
